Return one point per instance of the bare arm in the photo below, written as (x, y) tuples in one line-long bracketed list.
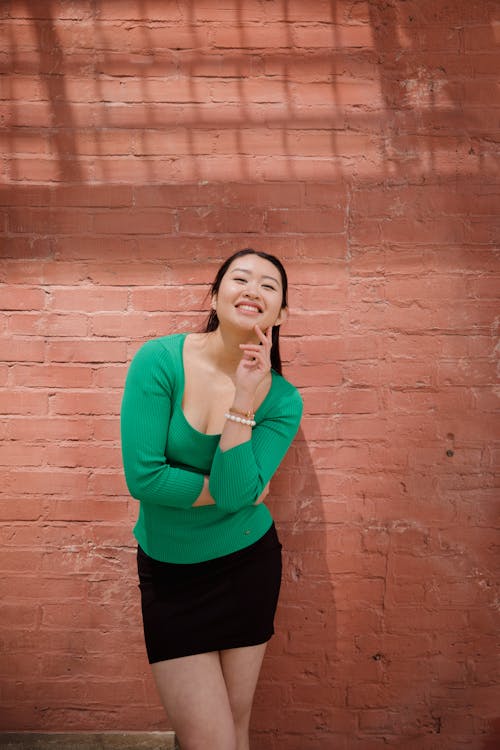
[(255, 364), (205, 498)]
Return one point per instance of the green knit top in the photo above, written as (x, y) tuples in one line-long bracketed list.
[(165, 460)]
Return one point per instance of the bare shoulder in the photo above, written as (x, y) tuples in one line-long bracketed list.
[(194, 340)]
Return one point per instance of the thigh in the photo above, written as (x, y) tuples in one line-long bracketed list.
[(194, 694), (241, 668)]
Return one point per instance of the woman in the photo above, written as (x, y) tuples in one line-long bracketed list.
[(206, 420)]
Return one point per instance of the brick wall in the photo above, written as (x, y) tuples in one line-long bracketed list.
[(144, 141)]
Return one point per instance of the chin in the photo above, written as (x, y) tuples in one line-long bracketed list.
[(246, 325)]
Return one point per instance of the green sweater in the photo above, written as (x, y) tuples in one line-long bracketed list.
[(165, 459)]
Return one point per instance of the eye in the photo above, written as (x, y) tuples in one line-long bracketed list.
[(239, 278), (269, 286)]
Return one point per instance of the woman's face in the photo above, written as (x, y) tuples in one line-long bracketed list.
[(250, 294)]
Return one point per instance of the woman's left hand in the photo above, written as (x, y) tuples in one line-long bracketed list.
[(255, 363), (263, 495)]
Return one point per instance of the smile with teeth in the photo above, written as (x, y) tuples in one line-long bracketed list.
[(248, 307)]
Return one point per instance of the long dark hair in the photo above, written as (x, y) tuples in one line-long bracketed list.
[(212, 322)]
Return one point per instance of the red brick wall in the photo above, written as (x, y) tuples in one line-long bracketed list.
[(144, 142)]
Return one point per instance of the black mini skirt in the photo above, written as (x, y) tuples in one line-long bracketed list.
[(227, 602)]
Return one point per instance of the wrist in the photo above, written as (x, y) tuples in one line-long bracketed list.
[(242, 409), (243, 402)]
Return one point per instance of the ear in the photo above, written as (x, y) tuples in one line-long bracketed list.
[(283, 315), (213, 303)]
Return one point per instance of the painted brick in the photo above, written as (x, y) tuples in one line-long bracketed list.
[(25, 324), (143, 142), (19, 298), (303, 221), (27, 402), (129, 221), (81, 402)]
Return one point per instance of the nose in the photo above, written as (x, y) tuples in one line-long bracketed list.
[(251, 290)]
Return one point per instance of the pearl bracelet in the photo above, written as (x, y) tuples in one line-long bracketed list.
[(241, 420)]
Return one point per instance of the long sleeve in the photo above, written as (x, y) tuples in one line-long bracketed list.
[(238, 475), (145, 416)]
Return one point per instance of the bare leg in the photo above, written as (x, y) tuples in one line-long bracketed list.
[(241, 667), (195, 697)]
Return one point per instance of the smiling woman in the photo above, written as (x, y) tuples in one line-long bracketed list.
[(252, 292), (206, 420), (278, 279)]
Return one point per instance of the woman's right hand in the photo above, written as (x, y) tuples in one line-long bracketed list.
[(255, 363), (204, 498)]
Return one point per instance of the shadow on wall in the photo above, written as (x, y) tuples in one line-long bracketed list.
[(300, 665), (493, 741), (147, 92)]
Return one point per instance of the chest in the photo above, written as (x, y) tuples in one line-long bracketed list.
[(205, 400), (209, 394)]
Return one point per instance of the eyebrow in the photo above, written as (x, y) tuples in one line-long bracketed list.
[(245, 270)]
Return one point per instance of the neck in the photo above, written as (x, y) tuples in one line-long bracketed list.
[(224, 347)]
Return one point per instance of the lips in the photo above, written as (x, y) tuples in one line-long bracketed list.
[(249, 307)]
